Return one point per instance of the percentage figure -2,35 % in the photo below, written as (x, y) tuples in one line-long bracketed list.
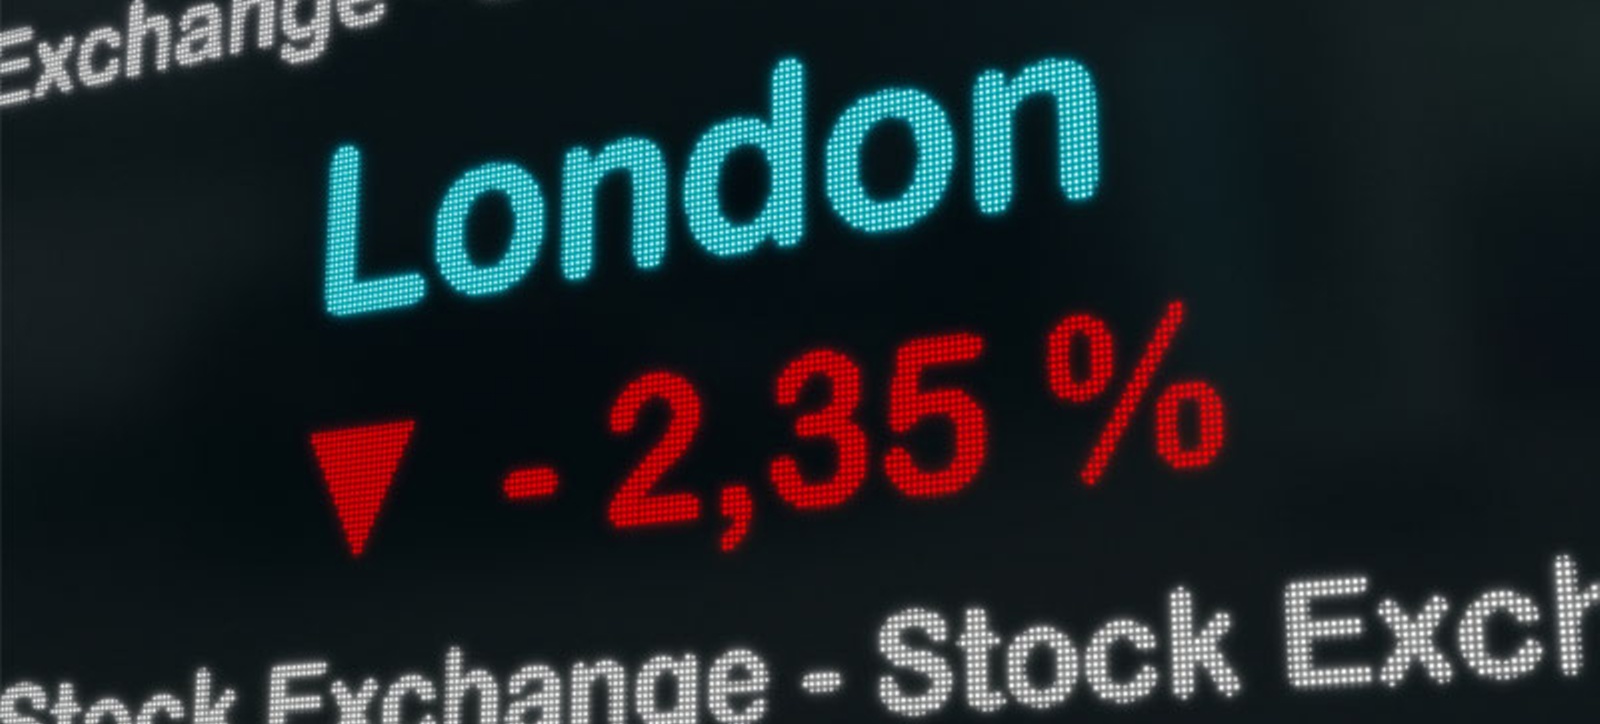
[(359, 463)]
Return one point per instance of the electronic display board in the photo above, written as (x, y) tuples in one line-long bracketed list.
[(518, 362)]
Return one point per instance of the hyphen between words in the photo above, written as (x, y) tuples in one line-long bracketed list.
[(780, 138)]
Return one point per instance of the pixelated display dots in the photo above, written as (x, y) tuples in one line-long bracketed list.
[(534, 482), (358, 466)]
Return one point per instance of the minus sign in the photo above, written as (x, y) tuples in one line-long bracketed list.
[(823, 682)]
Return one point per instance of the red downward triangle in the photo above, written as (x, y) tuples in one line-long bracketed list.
[(358, 465)]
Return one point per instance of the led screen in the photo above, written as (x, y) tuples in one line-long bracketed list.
[(517, 362)]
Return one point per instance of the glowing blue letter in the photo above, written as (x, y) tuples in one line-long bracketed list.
[(580, 180), (782, 218), (994, 103), (342, 295), (930, 177), (527, 229)]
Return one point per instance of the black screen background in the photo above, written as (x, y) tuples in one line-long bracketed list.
[(1381, 215)]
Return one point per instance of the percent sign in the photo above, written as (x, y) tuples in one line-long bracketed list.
[(1078, 386)]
